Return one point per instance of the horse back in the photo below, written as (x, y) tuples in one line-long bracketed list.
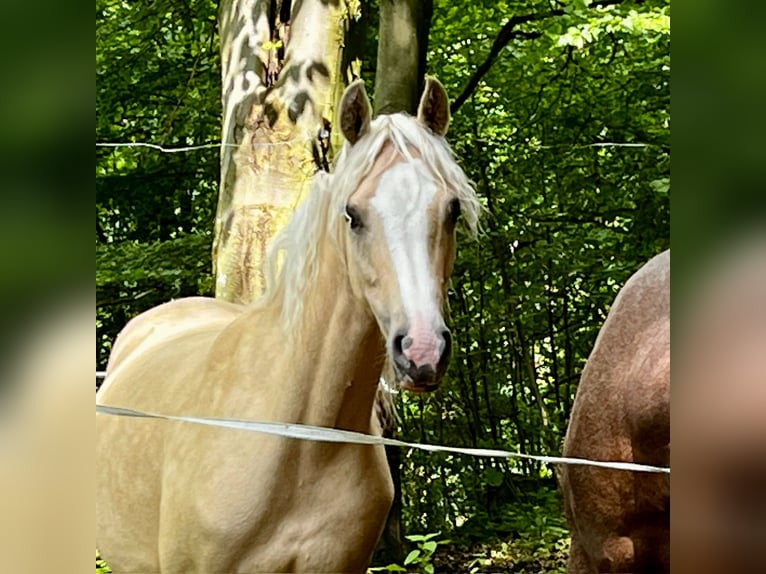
[(168, 321)]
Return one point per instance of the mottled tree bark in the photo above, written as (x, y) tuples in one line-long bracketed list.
[(280, 82)]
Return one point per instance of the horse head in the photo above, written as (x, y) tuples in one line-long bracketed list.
[(401, 216)]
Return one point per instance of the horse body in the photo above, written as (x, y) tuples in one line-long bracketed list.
[(620, 520), (241, 488), (178, 497)]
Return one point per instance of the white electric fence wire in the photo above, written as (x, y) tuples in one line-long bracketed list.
[(324, 434), (164, 149)]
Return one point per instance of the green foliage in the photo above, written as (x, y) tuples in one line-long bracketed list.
[(509, 557), (157, 70), (420, 558), (388, 568), (526, 534)]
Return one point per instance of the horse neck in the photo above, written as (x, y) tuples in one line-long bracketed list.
[(338, 353)]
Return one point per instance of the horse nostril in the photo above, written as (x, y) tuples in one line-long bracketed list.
[(447, 346), (399, 342)]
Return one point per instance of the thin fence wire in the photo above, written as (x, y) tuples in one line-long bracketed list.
[(188, 148), (599, 145), (219, 145), (325, 434)]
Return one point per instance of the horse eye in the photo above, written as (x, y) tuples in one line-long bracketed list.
[(453, 211), (353, 218)]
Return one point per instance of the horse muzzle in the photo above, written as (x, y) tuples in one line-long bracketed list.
[(421, 358)]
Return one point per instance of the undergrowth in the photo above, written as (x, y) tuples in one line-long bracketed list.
[(526, 536)]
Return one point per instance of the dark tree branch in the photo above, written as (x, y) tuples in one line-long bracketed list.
[(507, 33)]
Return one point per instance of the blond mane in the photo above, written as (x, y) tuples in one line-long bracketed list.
[(293, 259)]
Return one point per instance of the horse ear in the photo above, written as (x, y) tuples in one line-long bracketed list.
[(355, 112), (433, 111)]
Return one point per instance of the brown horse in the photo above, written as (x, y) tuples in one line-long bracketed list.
[(364, 265), (620, 520)]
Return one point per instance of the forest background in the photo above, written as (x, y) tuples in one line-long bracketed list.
[(561, 116)]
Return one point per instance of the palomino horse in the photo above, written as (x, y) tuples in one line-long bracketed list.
[(620, 520), (364, 264)]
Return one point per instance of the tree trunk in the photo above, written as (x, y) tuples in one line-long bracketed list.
[(401, 63), (402, 50), (280, 84)]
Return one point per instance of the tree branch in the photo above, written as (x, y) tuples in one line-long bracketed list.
[(507, 33)]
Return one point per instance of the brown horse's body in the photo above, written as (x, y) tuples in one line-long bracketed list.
[(620, 520), (367, 258)]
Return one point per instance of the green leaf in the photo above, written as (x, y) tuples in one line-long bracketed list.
[(661, 185), (422, 537), (411, 557), (389, 568)]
